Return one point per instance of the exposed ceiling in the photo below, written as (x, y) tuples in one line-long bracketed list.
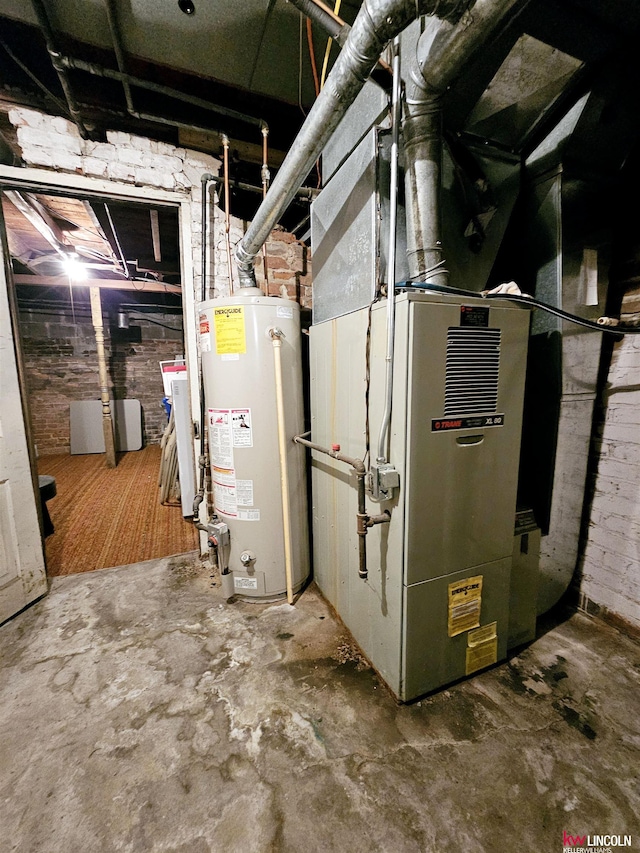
[(253, 57)]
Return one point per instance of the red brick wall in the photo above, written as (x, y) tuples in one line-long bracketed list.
[(61, 365)]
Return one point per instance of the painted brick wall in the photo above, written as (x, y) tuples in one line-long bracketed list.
[(609, 575), (54, 143), (60, 354)]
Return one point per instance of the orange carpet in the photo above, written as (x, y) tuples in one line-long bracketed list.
[(105, 517)]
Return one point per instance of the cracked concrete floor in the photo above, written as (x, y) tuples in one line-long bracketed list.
[(140, 713)]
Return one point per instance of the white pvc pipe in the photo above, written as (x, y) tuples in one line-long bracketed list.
[(276, 336)]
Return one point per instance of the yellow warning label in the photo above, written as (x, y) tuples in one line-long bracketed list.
[(230, 332), (481, 635), (465, 602), (482, 647), (482, 655)]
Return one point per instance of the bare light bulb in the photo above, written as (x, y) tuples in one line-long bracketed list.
[(74, 268)]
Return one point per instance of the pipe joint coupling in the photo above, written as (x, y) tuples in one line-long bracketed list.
[(246, 272)]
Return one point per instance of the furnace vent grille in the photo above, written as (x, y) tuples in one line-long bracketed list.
[(473, 363)]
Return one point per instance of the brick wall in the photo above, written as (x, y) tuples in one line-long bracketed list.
[(54, 143), (60, 354), (609, 571), (61, 366)]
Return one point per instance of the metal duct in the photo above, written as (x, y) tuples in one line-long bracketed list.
[(377, 22), (439, 60)]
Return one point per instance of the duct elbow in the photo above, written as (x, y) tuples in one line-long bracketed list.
[(246, 272)]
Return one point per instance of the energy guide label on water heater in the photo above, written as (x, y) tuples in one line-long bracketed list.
[(228, 323), (465, 602)]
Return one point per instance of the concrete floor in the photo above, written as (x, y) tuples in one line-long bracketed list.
[(138, 712)]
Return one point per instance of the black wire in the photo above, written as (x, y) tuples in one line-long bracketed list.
[(533, 303)]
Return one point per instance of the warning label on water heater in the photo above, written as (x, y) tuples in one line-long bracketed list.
[(230, 332), (220, 438), (241, 427), (465, 602), (205, 333)]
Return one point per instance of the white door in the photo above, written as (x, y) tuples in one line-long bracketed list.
[(22, 571)]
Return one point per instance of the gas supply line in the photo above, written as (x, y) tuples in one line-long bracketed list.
[(364, 521)]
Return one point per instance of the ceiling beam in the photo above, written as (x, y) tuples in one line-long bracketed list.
[(106, 283)]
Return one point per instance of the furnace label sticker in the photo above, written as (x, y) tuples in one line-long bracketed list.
[(220, 438), (482, 648), (241, 427), (476, 316), (205, 333), (230, 331), (465, 602)]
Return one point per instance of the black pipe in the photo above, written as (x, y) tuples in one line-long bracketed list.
[(331, 24), (530, 302), (54, 53), (308, 193), (206, 178), (338, 30), (110, 74), (116, 38)]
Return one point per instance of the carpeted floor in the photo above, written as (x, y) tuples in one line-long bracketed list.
[(106, 517)]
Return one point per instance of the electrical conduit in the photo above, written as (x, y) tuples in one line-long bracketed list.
[(396, 104)]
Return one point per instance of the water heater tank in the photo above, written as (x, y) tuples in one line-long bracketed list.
[(241, 414)]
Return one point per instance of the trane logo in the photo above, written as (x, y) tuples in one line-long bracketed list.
[(447, 424), (228, 311)]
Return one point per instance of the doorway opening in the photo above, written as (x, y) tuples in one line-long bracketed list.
[(61, 247)]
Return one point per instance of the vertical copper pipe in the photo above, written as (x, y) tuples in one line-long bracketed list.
[(266, 177), (227, 215)]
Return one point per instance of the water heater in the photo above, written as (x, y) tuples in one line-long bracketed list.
[(237, 336)]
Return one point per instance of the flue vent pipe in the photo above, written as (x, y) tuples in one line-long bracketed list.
[(377, 22), (439, 60)]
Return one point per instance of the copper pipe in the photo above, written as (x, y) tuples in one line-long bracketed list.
[(227, 216), (266, 178)]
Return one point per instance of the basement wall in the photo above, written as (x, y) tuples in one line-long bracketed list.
[(54, 143), (609, 570), (60, 357)]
